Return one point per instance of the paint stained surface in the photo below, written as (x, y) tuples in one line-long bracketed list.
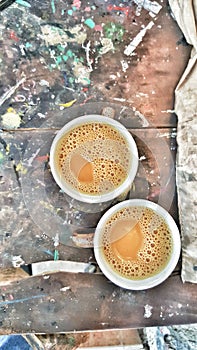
[(60, 60)]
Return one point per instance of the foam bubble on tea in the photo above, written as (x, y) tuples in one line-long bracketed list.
[(136, 243), (93, 158)]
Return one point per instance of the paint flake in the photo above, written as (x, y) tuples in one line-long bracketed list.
[(137, 40), (11, 120), (17, 261), (147, 311), (64, 289), (90, 23)]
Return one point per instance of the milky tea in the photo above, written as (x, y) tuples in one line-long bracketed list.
[(136, 242), (93, 158)]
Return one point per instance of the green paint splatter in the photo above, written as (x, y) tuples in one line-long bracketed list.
[(90, 23), (71, 80), (60, 48), (23, 3), (113, 31), (56, 255), (71, 341), (69, 53), (65, 58), (58, 59), (28, 45), (1, 158), (70, 12), (53, 6), (87, 80)]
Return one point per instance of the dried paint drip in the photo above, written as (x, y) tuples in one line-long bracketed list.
[(147, 311), (11, 120)]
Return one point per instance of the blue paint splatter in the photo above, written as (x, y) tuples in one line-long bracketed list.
[(22, 300), (47, 251)]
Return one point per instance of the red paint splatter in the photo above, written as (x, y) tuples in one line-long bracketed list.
[(85, 89), (119, 8), (77, 4), (87, 99), (13, 36), (98, 28), (87, 9), (43, 158)]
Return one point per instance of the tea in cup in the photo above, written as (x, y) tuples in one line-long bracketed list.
[(137, 244), (94, 160)]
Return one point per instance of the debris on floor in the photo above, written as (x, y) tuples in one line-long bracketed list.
[(183, 337)]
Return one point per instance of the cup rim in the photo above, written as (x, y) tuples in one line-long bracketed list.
[(149, 282), (83, 197)]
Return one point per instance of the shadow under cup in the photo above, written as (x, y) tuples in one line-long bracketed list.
[(137, 244), (94, 160)]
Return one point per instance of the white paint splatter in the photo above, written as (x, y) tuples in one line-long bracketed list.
[(153, 6), (147, 311), (46, 277), (64, 289), (17, 261), (142, 158), (11, 91), (141, 94), (11, 120), (44, 82), (42, 116), (137, 40), (144, 121), (124, 65), (119, 99), (81, 73), (168, 111), (112, 76), (107, 45), (30, 161)]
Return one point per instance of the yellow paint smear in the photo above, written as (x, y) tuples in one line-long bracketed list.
[(68, 104), (21, 168)]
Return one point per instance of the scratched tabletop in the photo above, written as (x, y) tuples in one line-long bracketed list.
[(60, 60)]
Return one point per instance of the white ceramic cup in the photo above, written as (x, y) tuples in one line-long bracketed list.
[(149, 282), (87, 202)]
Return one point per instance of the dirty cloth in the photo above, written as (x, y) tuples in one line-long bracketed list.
[(185, 13)]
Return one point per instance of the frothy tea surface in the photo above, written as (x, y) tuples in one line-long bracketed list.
[(93, 158), (136, 242)]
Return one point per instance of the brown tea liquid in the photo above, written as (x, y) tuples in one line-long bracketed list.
[(137, 243), (93, 158)]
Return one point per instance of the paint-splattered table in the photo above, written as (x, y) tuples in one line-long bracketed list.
[(60, 60)]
